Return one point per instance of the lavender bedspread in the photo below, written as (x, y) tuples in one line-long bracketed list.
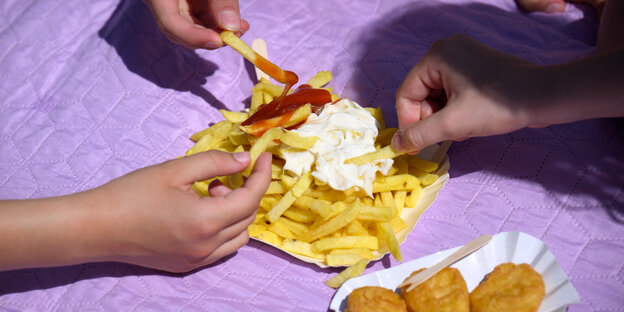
[(91, 90)]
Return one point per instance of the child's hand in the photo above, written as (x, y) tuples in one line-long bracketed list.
[(460, 89), (556, 6), (152, 218), (196, 24)]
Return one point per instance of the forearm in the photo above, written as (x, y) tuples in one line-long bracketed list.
[(611, 30), (50, 232), (588, 88)]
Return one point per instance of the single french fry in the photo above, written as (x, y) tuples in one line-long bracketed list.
[(281, 228), (234, 117), (399, 200), (331, 195), (384, 138), (238, 136), (257, 99), (198, 135), (275, 187), (270, 238), (336, 208), (235, 180), (201, 188), (293, 139), (362, 252), (422, 164), (370, 242), (333, 224), (355, 228), (212, 137), (398, 224), (350, 272), (399, 182), (267, 97), (276, 172), (290, 197), (382, 214), (265, 87), (256, 229), (298, 116), (262, 63), (300, 215), (268, 201), (413, 196), (320, 79), (287, 180), (388, 201), (294, 227), (387, 152), (386, 234), (260, 146), (319, 206), (424, 177), (376, 112), (301, 248)]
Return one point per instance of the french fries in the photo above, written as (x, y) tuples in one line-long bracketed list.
[(304, 216)]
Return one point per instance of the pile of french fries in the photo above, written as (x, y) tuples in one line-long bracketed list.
[(300, 214), (304, 216)]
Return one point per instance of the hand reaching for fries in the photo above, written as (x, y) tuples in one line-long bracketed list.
[(196, 24), (462, 88), (150, 217)]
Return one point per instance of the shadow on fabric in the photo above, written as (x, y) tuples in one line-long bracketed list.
[(573, 160), (145, 51)]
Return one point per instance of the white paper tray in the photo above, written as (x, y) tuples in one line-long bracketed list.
[(516, 247)]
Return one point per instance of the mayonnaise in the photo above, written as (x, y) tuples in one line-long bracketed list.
[(345, 130)]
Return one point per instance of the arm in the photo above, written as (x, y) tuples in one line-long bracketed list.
[(149, 217), (487, 92)]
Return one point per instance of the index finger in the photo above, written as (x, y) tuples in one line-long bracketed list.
[(422, 80)]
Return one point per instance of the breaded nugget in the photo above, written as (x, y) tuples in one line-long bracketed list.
[(444, 292), (375, 299), (510, 287)]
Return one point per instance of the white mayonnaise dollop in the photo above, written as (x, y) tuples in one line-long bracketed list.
[(345, 130)]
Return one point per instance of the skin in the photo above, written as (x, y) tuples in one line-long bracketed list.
[(196, 24), (150, 217), (556, 6), (462, 88)]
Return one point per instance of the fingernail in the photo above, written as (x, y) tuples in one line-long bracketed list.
[(211, 45), (555, 8), (230, 20), (396, 142), (242, 157)]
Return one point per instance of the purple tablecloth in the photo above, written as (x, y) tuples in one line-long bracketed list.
[(90, 90)]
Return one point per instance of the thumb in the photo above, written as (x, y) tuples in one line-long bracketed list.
[(417, 135), (206, 165)]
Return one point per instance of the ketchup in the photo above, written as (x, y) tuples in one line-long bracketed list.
[(285, 104)]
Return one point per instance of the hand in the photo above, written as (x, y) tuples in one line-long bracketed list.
[(154, 219), (461, 89), (196, 24), (556, 6)]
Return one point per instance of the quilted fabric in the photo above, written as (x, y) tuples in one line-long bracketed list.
[(91, 90)]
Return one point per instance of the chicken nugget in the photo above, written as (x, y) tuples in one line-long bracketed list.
[(510, 287), (375, 299), (444, 292)]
